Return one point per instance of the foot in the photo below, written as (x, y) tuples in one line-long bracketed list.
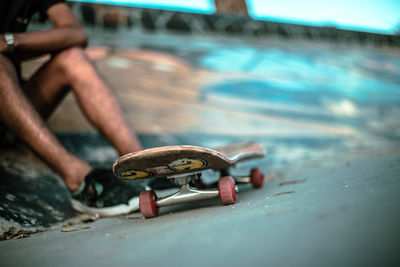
[(103, 194)]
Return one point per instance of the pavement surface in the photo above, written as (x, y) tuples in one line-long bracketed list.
[(326, 114)]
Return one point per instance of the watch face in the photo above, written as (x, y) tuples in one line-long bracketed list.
[(9, 38)]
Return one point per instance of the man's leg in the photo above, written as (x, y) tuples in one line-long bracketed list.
[(70, 69), (20, 116), (73, 69)]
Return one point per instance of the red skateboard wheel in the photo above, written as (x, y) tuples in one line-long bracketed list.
[(256, 178), (147, 204), (226, 189)]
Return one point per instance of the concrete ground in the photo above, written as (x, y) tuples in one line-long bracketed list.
[(338, 213), (326, 114)]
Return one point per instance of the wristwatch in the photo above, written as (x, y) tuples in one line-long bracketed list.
[(9, 39)]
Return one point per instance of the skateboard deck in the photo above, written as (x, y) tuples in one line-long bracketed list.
[(184, 165), (175, 160)]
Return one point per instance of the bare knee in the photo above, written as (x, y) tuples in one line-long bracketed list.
[(73, 62)]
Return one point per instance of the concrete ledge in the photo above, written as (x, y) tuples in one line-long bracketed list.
[(111, 16)]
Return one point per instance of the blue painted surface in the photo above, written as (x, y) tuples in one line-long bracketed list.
[(306, 75), (370, 16)]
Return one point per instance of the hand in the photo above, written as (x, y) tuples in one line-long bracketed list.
[(3, 45)]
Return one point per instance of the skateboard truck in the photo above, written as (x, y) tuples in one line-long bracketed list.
[(187, 193), (226, 190)]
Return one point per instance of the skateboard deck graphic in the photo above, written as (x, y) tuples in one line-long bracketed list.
[(171, 160), (184, 165)]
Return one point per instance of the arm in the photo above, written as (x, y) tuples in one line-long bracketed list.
[(67, 32)]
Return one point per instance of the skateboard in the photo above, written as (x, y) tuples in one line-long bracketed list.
[(183, 165)]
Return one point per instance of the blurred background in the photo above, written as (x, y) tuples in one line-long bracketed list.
[(309, 77), (316, 83), (370, 16)]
